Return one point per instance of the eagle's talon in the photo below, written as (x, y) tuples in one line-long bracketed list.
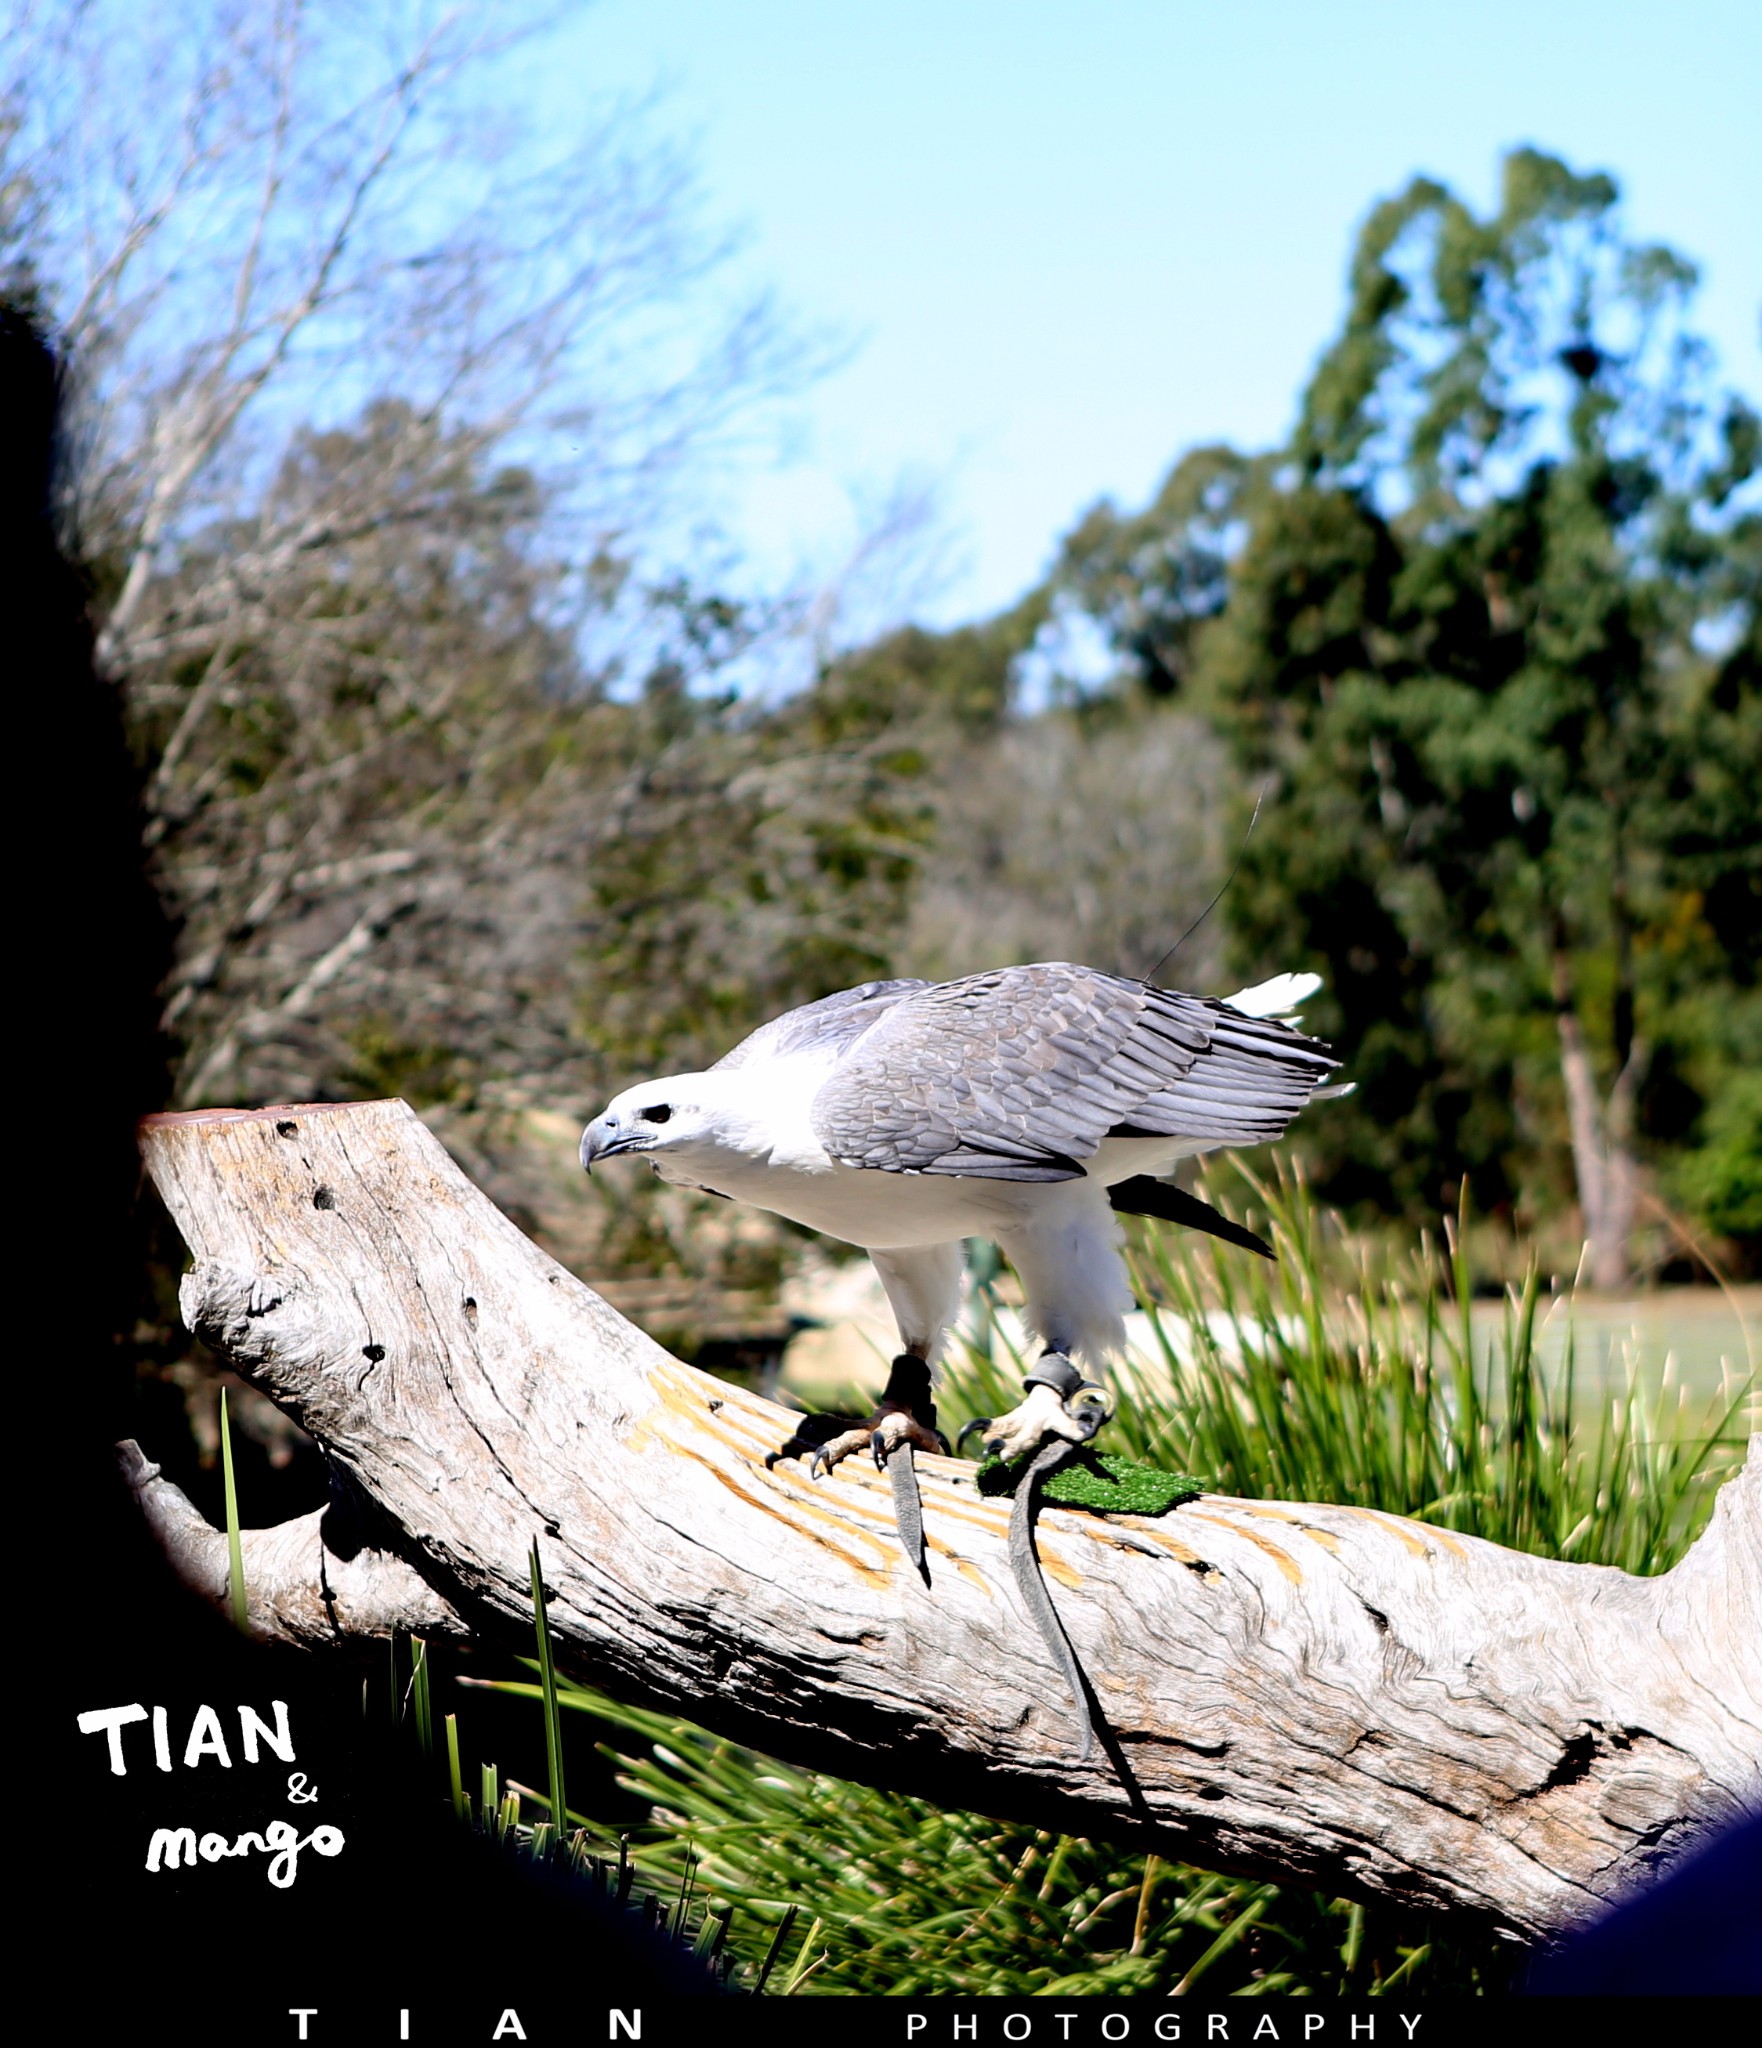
[(904, 1420), (1091, 1415), (1056, 1404), (832, 1443)]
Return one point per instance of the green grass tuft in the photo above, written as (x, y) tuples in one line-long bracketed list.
[(455, 1778), (557, 1801), (421, 1697)]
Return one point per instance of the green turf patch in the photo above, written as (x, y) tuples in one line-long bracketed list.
[(1101, 1481)]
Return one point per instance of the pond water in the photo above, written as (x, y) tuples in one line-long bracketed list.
[(1710, 1337)]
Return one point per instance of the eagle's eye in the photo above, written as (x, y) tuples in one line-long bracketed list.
[(657, 1113)]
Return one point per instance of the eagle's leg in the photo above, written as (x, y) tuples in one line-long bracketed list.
[(1049, 1409), (904, 1421)]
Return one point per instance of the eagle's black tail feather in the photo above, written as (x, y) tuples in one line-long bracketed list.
[(1142, 1196)]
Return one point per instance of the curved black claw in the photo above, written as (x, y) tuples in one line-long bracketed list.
[(820, 1462), (968, 1429), (812, 1433)]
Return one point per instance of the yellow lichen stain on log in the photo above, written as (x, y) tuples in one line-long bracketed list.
[(1150, 1533), (688, 1416), (872, 1573), (878, 1513), (689, 1399), (1286, 1564), (1056, 1567), (971, 1572), (690, 1392), (961, 1509), (1100, 1529), (848, 1512), (1405, 1531), (682, 1394), (1291, 1520)]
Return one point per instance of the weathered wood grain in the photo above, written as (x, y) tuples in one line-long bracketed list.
[(1317, 1693)]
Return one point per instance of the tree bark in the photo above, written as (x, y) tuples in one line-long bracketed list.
[(1321, 1694), (1603, 1158)]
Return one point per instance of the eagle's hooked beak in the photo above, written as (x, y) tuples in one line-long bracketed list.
[(598, 1140)]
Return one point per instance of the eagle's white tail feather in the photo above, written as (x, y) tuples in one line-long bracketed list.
[(1275, 998)]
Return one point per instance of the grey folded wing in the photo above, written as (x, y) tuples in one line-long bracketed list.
[(1021, 1074), (834, 1021)]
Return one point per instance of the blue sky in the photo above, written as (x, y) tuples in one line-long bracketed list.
[(1068, 241)]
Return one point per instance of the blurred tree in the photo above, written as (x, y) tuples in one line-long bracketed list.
[(324, 314), (417, 699), (754, 861), (356, 760), (1490, 624), (1093, 833), (1151, 581), (1086, 830)]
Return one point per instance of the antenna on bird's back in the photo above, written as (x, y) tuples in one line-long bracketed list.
[(1221, 894)]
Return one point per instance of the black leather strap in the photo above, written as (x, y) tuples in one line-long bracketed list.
[(1056, 1371)]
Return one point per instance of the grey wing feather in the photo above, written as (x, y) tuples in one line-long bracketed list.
[(1021, 1074), (835, 1020)]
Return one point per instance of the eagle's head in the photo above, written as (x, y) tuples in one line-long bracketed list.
[(656, 1116), (685, 1125)]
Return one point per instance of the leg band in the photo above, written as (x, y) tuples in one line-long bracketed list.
[(1056, 1371)]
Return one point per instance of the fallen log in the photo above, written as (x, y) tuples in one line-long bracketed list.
[(1320, 1694)]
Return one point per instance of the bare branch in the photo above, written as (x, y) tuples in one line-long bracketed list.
[(309, 1582)]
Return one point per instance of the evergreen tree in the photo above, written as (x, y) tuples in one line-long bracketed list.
[(1489, 626)]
